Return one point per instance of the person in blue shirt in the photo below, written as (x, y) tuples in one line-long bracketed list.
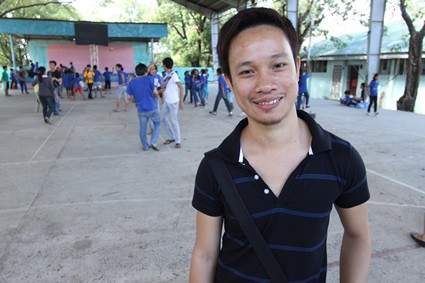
[(97, 85), (78, 86), (122, 86), (142, 92), (157, 81), (222, 93), (197, 83), (205, 76), (373, 94), (188, 86), (107, 76), (303, 90), (13, 80)]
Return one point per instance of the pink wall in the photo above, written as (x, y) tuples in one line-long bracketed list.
[(79, 55), (109, 56), (113, 54)]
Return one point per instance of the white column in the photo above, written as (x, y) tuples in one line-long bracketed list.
[(376, 24), (214, 39), (292, 12)]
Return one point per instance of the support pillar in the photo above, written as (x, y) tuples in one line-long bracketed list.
[(214, 40), (376, 25), (12, 51), (152, 55), (292, 12)]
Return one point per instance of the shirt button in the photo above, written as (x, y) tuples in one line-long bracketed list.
[(266, 191), (256, 177)]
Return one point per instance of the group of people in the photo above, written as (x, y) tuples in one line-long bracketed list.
[(196, 86), (13, 79), (145, 90)]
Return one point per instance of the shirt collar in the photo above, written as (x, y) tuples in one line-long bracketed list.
[(231, 149)]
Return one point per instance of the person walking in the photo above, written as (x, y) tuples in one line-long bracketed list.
[(373, 94), (97, 84), (56, 77), (172, 100), (89, 76), (107, 76), (22, 76), (222, 93), (5, 81), (142, 91), (122, 87), (303, 90), (46, 93), (287, 170)]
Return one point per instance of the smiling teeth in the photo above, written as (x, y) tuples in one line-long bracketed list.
[(269, 102)]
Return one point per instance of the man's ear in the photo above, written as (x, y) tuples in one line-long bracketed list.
[(229, 83)]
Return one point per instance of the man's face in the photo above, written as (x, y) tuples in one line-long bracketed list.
[(264, 76), (52, 66)]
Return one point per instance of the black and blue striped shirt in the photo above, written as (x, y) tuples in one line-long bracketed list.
[(294, 224)]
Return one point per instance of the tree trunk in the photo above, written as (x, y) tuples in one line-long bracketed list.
[(413, 73)]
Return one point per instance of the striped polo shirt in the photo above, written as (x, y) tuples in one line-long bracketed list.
[(295, 224)]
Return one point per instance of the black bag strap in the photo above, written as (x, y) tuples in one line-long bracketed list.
[(245, 220)]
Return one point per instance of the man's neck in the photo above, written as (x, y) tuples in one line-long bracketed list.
[(288, 131)]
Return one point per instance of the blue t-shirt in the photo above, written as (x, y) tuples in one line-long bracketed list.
[(120, 79), (107, 75), (157, 80), (188, 81), (197, 83), (77, 81), (222, 82), (374, 88), (303, 83), (205, 80), (141, 89), (96, 76)]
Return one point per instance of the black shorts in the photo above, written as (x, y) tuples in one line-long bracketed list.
[(107, 84)]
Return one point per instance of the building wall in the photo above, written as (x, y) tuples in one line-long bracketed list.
[(126, 53), (392, 84)]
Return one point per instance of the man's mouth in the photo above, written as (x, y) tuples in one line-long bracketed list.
[(268, 102), (271, 102)]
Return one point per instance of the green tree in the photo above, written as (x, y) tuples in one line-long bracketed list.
[(29, 9), (188, 34), (311, 14), (410, 12)]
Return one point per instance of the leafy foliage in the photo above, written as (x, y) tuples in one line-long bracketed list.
[(30, 9)]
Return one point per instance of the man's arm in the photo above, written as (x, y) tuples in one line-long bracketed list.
[(356, 244), (207, 247)]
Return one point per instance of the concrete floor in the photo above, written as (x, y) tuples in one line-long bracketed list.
[(81, 202)]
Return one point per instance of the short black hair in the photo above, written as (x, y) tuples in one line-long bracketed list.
[(106, 68), (219, 71), (52, 62), (168, 62), (249, 18), (141, 69), (94, 67)]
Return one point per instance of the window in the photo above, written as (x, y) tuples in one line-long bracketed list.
[(384, 66), (319, 66), (400, 66)]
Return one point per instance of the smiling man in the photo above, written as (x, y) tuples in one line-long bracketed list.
[(288, 171)]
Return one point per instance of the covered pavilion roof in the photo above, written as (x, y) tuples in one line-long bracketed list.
[(54, 29)]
